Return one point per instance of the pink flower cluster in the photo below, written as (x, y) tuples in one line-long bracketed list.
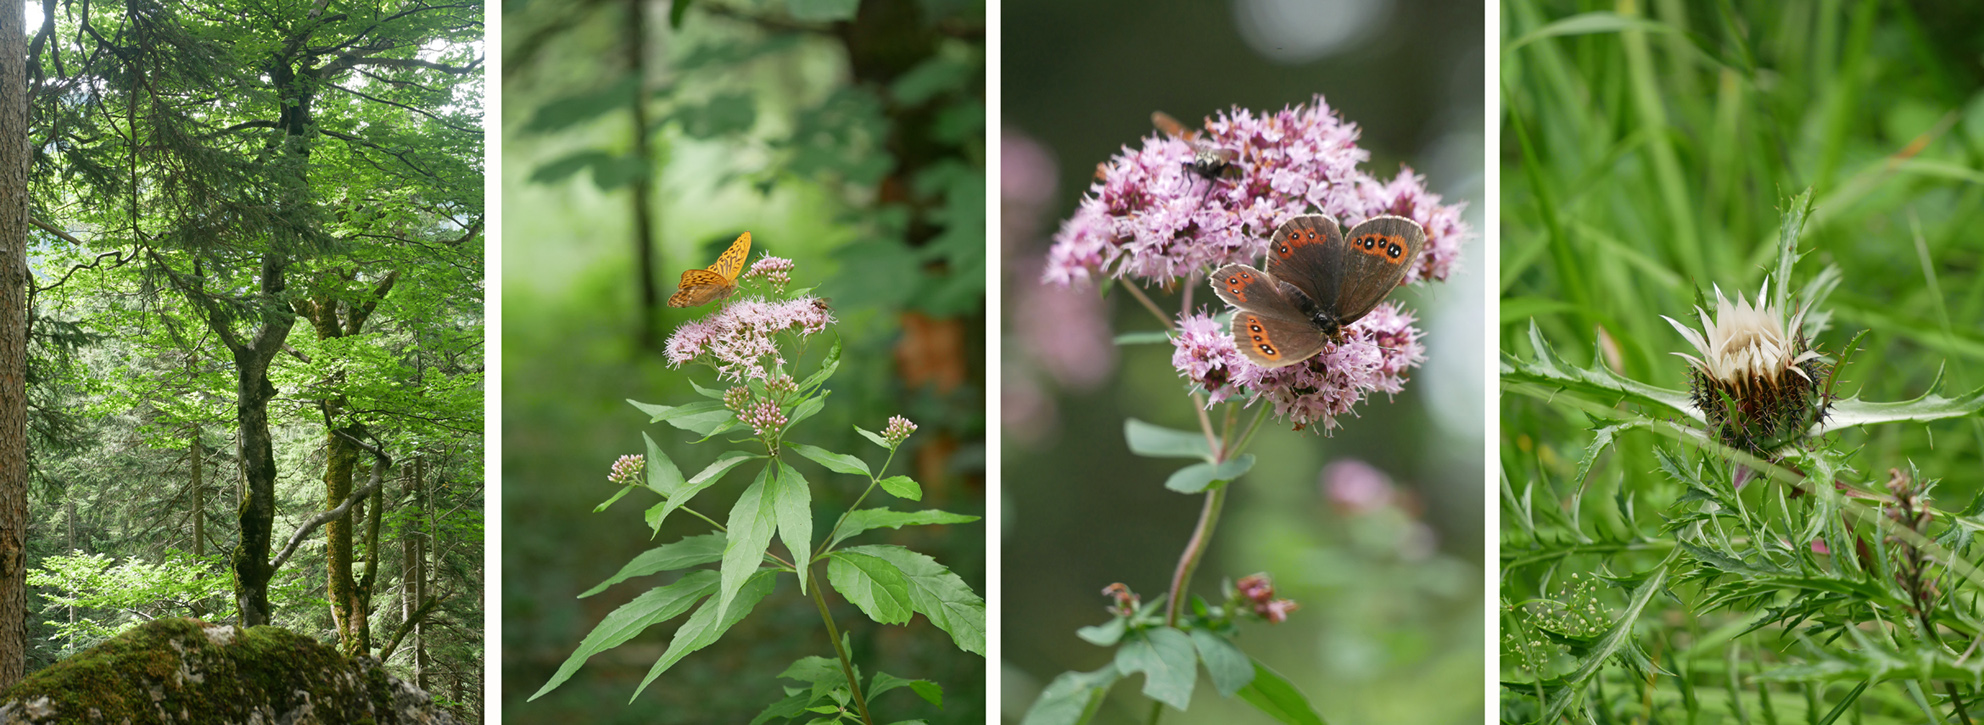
[(1377, 352), (776, 270), (627, 471), (898, 430), (740, 340), (1258, 590), (1150, 217)]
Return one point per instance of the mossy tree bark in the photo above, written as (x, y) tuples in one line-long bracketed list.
[(351, 597)]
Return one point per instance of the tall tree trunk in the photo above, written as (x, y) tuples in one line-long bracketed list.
[(637, 46), (14, 162), (416, 566), (252, 392), (340, 459), (193, 452)]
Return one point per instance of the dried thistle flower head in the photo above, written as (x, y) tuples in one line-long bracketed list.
[(1755, 377)]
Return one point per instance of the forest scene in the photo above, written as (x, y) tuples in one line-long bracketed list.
[(253, 292), (841, 146)]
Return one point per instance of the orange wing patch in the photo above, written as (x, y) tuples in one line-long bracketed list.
[(1257, 335), (703, 286), (1238, 282), (1296, 238), (1386, 247)]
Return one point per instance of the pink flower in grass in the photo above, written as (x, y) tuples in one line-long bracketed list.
[(740, 339)]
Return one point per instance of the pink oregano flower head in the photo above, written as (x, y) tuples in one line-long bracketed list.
[(1150, 217), (1375, 356), (740, 340)]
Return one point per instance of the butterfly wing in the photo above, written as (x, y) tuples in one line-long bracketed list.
[(732, 260), (1377, 253), (1268, 327), (701, 287), (1308, 252), (1170, 126), (1273, 342)]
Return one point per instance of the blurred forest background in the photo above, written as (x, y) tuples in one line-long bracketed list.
[(1648, 155), (1389, 584), (256, 265), (641, 138)]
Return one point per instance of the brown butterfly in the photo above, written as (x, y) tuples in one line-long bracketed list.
[(1208, 161), (703, 286), (1316, 282)]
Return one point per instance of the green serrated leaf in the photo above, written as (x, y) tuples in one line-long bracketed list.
[(871, 583), (807, 408), (827, 368), (790, 707), (836, 462), (663, 477), (1106, 634), (1272, 694), (937, 594), (1230, 669), (1547, 376), (700, 417), (610, 500), (711, 393), (752, 521), (814, 669), (868, 519), (792, 501), (1072, 698), (1168, 661), (688, 552), (654, 607), (1151, 441), (709, 623), (688, 490), (902, 487), (873, 437)]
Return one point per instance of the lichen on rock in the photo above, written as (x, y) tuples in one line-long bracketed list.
[(189, 671)]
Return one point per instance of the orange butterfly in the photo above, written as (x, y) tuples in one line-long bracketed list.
[(703, 286)]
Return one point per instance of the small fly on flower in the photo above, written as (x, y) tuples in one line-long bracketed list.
[(1210, 162)]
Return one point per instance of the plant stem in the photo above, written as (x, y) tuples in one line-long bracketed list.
[(833, 633), (1149, 305), (1195, 550)]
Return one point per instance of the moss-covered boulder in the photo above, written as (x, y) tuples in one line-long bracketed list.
[(189, 671)]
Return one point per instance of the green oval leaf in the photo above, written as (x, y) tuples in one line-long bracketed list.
[(1152, 441), (902, 487), (836, 462), (871, 583), (690, 551), (658, 605)]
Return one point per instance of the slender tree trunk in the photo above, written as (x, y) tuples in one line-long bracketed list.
[(416, 576), (69, 518), (252, 391), (637, 45), (14, 161), (340, 458), (193, 452)]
